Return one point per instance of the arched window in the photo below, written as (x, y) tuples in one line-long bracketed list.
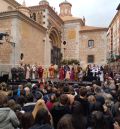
[(34, 16), (31, 16), (66, 11), (10, 8)]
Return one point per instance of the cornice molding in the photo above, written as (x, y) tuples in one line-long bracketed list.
[(55, 14), (51, 11), (116, 15), (36, 8), (22, 7), (21, 16), (94, 30), (56, 20), (63, 3), (74, 21)]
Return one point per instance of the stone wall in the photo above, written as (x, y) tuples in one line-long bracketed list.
[(5, 48), (98, 50), (71, 36), (32, 43), (113, 36), (28, 37)]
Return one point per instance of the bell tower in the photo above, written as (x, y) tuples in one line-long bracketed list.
[(65, 9), (43, 2)]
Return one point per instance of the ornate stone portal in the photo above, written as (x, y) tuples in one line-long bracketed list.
[(54, 25), (55, 46)]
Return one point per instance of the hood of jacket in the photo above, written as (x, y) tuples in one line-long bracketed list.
[(4, 113)]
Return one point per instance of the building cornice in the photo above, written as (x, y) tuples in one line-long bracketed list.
[(54, 22), (51, 11), (55, 15), (37, 7), (116, 15), (94, 30), (74, 21), (22, 7), (21, 16), (63, 3)]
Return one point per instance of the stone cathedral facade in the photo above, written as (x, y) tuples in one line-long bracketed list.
[(45, 37)]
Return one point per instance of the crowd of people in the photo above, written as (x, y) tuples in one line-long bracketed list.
[(46, 105), (66, 72)]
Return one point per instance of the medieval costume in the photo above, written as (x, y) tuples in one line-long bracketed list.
[(56, 71), (61, 73), (72, 74), (67, 77), (21, 73), (52, 71), (33, 72), (76, 74), (89, 73), (28, 72), (66, 68), (40, 72), (45, 73), (80, 75)]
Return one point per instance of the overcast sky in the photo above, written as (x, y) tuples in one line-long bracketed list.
[(96, 12)]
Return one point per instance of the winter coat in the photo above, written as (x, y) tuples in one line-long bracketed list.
[(8, 119), (29, 107), (45, 126)]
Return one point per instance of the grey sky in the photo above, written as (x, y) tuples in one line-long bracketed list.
[(96, 12)]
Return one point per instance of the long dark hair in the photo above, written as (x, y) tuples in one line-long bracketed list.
[(78, 120), (65, 122), (97, 120), (27, 120), (42, 117), (101, 121)]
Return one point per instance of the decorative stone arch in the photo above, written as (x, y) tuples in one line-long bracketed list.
[(34, 16), (10, 8), (55, 37), (55, 40)]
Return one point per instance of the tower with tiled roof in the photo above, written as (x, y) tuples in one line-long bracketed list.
[(65, 8), (43, 2)]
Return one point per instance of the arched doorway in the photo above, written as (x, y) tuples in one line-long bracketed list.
[(55, 40)]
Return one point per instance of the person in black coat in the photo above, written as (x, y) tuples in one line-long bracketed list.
[(60, 109), (29, 106), (42, 120), (83, 100)]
